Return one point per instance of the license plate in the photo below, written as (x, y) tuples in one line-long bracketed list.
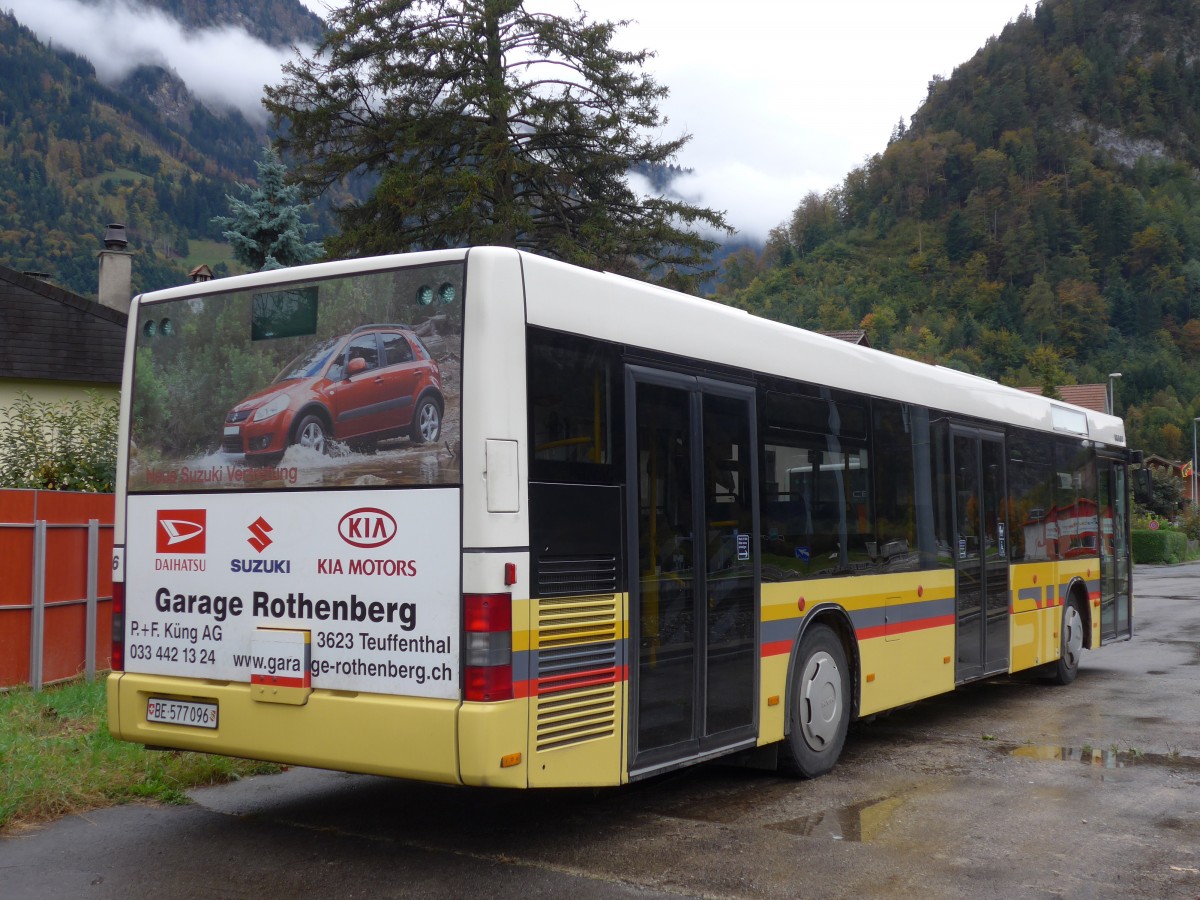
[(181, 712), (233, 430)]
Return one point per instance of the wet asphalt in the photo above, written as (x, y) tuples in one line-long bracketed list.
[(1010, 788)]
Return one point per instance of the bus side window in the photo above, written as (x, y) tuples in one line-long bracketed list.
[(571, 409), (1031, 496), (895, 495)]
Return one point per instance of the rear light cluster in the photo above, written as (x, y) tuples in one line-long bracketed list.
[(118, 626), (487, 626)]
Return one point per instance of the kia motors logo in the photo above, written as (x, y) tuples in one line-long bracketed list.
[(367, 527), (180, 531), (259, 539)]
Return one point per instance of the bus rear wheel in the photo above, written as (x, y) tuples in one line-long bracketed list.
[(819, 713), (1070, 649)]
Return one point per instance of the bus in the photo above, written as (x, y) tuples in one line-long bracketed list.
[(479, 517)]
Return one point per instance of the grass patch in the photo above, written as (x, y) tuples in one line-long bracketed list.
[(202, 250), (117, 176), (58, 758)]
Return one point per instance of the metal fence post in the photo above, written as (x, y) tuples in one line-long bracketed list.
[(37, 625), (93, 547)]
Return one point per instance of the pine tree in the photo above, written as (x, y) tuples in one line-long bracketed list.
[(265, 228), (486, 123)]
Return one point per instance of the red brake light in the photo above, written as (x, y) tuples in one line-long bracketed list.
[(487, 641), (487, 612), (487, 684), (118, 626)]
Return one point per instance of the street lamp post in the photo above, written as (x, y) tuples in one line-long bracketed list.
[(1112, 392), (1194, 498)]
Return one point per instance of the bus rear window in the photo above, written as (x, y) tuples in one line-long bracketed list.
[(344, 381), (279, 314)]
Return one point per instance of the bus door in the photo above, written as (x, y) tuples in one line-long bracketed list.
[(692, 460), (980, 553), (1116, 620)]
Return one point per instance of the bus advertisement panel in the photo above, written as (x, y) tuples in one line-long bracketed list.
[(245, 406), (369, 585)]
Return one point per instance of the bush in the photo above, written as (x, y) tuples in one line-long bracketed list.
[(1160, 546), (70, 445)]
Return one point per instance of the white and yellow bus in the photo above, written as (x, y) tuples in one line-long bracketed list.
[(478, 517)]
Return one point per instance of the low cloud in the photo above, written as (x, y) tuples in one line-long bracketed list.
[(225, 67)]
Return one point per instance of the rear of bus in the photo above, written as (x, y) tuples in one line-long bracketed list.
[(311, 561)]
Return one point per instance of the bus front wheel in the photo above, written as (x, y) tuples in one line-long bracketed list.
[(819, 714), (1070, 644)]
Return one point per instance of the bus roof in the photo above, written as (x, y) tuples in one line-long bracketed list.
[(614, 308)]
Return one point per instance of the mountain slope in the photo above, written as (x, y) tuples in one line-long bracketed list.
[(1038, 221), (76, 154)]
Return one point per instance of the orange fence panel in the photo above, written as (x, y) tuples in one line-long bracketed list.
[(46, 545)]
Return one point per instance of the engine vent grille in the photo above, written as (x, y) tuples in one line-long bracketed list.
[(571, 576), (577, 669)]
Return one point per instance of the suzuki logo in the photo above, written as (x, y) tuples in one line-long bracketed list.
[(367, 527), (258, 534), (180, 531)]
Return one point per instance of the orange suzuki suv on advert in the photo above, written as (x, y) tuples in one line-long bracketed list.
[(376, 382)]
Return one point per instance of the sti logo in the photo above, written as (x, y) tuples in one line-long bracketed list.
[(367, 527), (259, 539), (180, 531)]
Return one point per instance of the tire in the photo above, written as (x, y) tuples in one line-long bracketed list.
[(427, 422), (312, 432), (819, 713), (1070, 643)]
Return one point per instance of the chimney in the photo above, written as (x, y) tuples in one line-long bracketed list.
[(116, 270)]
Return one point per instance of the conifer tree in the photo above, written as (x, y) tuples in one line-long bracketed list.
[(487, 123), (265, 228)]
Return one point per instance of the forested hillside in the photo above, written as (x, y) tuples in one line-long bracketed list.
[(1038, 222), (76, 154)]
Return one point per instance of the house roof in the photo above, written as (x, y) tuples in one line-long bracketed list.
[(1089, 396), (857, 336), (48, 333), (1155, 461)]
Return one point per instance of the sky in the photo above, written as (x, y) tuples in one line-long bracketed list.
[(781, 97)]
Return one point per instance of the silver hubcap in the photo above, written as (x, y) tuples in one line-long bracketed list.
[(821, 701), (313, 437), (1072, 636), (429, 423)]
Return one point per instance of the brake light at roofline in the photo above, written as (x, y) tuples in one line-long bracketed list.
[(487, 639), (118, 626)]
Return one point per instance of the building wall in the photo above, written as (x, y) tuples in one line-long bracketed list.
[(52, 391)]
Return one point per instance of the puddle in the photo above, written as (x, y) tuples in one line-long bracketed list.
[(858, 822), (1104, 759), (1100, 759)]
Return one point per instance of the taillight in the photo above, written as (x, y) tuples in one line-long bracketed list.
[(487, 639), (118, 626)]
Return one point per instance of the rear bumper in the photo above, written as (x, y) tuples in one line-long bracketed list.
[(402, 737)]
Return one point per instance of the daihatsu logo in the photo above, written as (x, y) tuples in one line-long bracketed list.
[(180, 531), (367, 527)]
